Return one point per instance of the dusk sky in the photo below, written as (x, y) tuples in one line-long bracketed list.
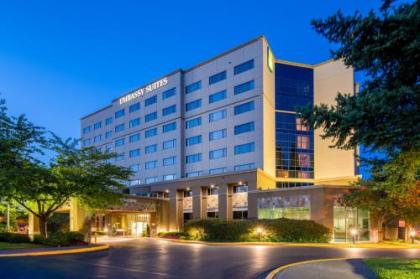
[(60, 61)]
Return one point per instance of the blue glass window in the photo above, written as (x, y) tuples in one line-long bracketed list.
[(193, 174), (219, 134), (134, 138), (192, 87), (119, 142), (245, 167), (243, 87), (150, 101), (217, 77), (244, 128), (97, 138), (86, 142), (193, 158), (169, 127), (244, 148), (193, 140), (134, 122), (193, 105), (150, 165), (150, 116), (119, 157), (217, 115), (150, 149), (108, 121), (248, 65), (86, 130), (119, 128), (217, 170), (134, 153), (152, 179), (150, 133), (193, 123), (168, 93), (97, 125), (168, 110), (169, 161), (108, 134), (218, 153), (169, 144), (135, 168), (119, 113), (249, 106), (134, 107), (169, 177), (218, 96)]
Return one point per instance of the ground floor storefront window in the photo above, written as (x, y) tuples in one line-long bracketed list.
[(346, 219), (295, 207)]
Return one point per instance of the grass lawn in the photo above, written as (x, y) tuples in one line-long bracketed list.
[(395, 268), (11, 246)]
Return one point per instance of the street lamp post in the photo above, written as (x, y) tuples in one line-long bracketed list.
[(353, 232)]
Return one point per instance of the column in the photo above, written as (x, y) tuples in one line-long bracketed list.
[(225, 202), (199, 202), (176, 213)]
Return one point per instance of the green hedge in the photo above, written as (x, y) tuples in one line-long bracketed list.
[(61, 239), (276, 230), (14, 237), (173, 235)]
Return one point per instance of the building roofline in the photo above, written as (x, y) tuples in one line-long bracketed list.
[(298, 64)]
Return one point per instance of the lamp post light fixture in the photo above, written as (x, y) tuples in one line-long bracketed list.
[(353, 233), (412, 235), (259, 231)]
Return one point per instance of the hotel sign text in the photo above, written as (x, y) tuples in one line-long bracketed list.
[(140, 92)]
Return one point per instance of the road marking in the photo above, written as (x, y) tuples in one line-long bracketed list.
[(57, 252)]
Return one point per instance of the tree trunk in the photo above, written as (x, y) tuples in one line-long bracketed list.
[(43, 229)]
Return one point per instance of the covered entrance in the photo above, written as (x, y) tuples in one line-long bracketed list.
[(120, 223)]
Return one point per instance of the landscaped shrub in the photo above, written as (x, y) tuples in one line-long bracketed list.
[(61, 239), (276, 230), (173, 235), (14, 237)]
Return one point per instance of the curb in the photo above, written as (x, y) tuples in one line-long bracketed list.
[(276, 271), (57, 252)]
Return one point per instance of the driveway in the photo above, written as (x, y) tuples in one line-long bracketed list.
[(150, 258)]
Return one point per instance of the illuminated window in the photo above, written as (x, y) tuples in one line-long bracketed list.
[(302, 142), (304, 160), (300, 126)]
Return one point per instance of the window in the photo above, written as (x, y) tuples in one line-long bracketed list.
[(119, 128), (134, 138), (218, 96), (244, 148), (169, 177), (97, 125), (245, 167), (217, 115), (97, 138), (86, 142), (217, 170), (244, 128), (169, 144), (108, 147), (134, 107), (193, 123), (135, 168), (169, 161), (248, 65), (245, 107), (302, 142), (86, 130), (119, 142), (194, 158), (119, 157), (108, 121), (150, 116), (134, 122), (193, 105), (152, 179), (150, 101), (243, 87), (300, 126), (119, 113), (304, 160), (218, 153), (134, 153), (217, 77), (192, 87), (193, 174), (135, 182), (168, 93), (150, 149), (108, 134), (150, 165), (150, 133), (218, 134), (169, 127), (168, 110), (193, 140)]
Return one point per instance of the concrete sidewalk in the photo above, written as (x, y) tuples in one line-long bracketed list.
[(342, 269), (49, 251)]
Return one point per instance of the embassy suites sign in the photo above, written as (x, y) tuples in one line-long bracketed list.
[(147, 89)]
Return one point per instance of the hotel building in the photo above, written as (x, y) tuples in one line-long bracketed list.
[(222, 140)]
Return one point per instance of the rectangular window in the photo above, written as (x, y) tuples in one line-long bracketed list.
[(218, 96), (218, 134), (150, 133), (135, 168), (168, 110), (169, 161), (169, 144), (119, 157), (108, 134), (134, 107), (150, 149), (217, 77), (97, 125), (218, 153), (150, 165), (119, 128), (150, 101), (217, 115), (192, 87), (243, 87), (193, 140), (193, 105), (150, 116), (168, 93), (134, 122), (244, 148), (150, 180), (217, 170), (108, 121), (86, 142), (134, 153), (193, 123), (193, 158), (245, 107), (248, 65), (244, 128), (108, 147), (97, 138), (169, 177), (119, 113), (86, 130), (169, 127), (193, 174), (134, 138), (300, 126), (119, 142), (245, 167), (302, 142), (304, 160)]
